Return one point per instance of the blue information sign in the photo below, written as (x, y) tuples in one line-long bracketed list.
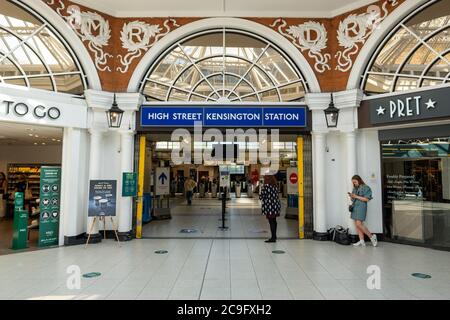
[(224, 116)]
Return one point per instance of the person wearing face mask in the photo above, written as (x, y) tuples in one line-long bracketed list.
[(360, 197)]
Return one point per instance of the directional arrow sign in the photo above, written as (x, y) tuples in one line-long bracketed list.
[(162, 181), (162, 177)]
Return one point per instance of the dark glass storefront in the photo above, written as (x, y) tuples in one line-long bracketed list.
[(416, 191)]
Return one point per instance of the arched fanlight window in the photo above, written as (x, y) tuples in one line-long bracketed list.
[(224, 66), (415, 55), (33, 55)]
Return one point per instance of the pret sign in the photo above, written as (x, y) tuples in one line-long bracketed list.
[(292, 181), (162, 181), (49, 206), (102, 198), (409, 107)]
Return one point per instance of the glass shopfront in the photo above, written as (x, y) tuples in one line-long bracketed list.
[(416, 191)]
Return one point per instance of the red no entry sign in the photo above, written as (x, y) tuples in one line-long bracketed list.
[(293, 178)]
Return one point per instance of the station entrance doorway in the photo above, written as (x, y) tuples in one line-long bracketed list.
[(203, 217)]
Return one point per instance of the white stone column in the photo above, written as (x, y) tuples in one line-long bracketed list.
[(320, 207), (350, 140), (73, 179), (99, 102), (95, 158), (126, 163), (348, 103)]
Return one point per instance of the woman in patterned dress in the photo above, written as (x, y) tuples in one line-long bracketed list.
[(271, 205)]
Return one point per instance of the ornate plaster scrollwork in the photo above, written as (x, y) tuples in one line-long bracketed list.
[(137, 37), (90, 27), (61, 7), (356, 29), (310, 36)]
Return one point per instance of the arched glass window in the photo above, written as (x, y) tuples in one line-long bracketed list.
[(416, 55), (224, 66), (33, 55)]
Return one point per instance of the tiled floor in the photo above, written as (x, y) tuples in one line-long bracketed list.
[(226, 269), (244, 220)]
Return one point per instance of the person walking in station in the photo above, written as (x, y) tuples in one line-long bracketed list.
[(360, 197), (270, 204), (189, 186)]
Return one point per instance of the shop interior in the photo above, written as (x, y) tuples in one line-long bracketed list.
[(203, 217), (24, 149), (416, 190)]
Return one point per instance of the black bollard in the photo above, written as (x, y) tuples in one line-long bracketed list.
[(224, 207)]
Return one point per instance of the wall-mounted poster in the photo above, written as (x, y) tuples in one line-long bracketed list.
[(129, 184), (102, 198)]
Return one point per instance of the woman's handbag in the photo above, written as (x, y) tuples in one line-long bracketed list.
[(351, 207)]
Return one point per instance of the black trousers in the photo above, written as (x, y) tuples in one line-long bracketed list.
[(273, 227), (189, 195)]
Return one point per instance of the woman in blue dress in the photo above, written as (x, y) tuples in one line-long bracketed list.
[(360, 197)]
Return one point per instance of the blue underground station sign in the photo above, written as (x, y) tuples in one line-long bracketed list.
[(271, 117)]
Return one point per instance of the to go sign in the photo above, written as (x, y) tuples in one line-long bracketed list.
[(21, 109)]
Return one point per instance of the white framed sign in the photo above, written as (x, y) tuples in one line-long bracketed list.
[(162, 181), (225, 179), (292, 181)]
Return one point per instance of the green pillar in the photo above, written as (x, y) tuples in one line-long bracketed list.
[(20, 226)]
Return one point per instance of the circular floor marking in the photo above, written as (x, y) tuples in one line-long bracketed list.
[(161, 252), (421, 275), (279, 252), (92, 275), (188, 231)]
